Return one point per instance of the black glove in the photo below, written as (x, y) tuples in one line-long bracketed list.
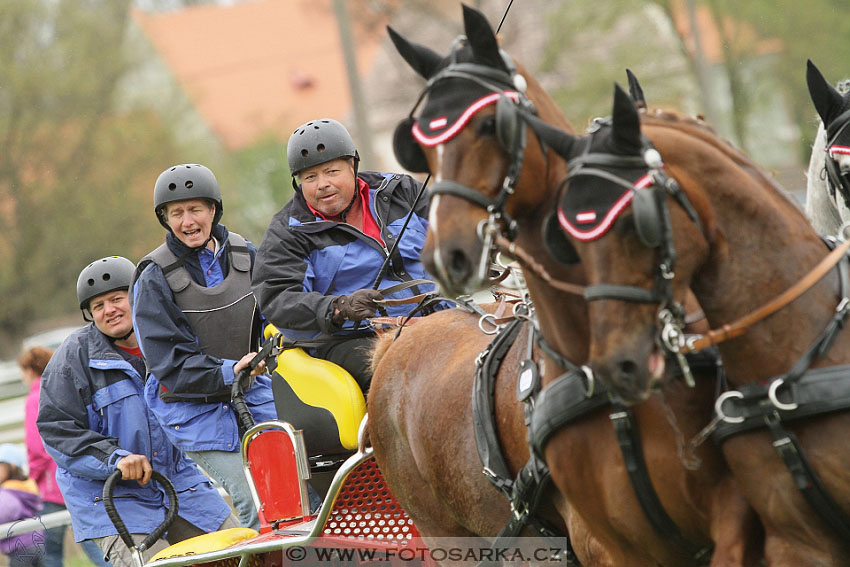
[(357, 306)]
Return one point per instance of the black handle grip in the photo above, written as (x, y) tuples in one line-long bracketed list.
[(154, 536), (237, 399)]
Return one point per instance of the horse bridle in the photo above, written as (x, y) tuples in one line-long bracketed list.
[(654, 228), (511, 106), (838, 183)]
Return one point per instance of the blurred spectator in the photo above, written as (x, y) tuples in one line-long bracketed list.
[(42, 469), (19, 500)]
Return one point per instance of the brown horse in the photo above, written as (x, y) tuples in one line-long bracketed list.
[(421, 429), (471, 145), (721, 227)]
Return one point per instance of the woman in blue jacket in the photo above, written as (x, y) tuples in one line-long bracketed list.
[(198, 324), (93, 419)]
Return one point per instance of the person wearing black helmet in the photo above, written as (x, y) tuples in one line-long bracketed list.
[(323, 251), (198, 326), (93, 419)]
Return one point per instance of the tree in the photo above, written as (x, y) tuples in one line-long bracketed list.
[(76, 173)]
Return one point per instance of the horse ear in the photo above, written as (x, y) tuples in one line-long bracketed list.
[(482, 39), (826, 99), (625, 122), (423, 60), (636, 91)]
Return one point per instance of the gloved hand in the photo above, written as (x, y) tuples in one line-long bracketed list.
[(357, 306), (244, 363)]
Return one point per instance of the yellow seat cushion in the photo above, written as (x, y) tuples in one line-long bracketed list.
[(213, 541)]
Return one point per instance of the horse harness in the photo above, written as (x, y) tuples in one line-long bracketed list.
[(514, 110), (648, 197), (802, 392), (572, 396), (838, 182), (525, 491)]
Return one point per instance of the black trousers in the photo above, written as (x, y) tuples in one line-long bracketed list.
[(355, 355)]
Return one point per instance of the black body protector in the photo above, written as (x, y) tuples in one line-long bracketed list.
[(225, 318)]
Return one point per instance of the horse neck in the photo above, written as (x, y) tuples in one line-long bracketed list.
[(760, 245), (562, 316)]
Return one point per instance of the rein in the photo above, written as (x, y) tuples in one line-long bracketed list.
[(512, 249), (742, 325)]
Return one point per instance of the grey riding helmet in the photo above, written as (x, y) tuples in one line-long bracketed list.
[(319, 141), (186, 181), (103, 276)]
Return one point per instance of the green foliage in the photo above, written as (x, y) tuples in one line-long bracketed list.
[(593, 43), (255, 184), (76, 175)]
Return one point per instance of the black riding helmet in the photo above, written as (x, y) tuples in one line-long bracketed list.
[(182, 182), (103, 276), (319, 141)]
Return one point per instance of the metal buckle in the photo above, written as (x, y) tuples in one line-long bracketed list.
[(774, 399), (718, 406), (591, 381)]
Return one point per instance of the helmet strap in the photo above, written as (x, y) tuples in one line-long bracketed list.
[(347, 209), (124, 338)]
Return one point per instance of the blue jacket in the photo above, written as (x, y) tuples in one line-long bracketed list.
[(304, 263), (92, 413), (175, 360)]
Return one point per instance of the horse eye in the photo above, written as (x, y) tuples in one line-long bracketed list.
[(486, 127)]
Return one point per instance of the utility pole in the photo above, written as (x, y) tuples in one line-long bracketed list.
[(703, 78), (361, 122)]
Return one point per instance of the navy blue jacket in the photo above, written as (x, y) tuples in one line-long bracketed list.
[(304, 263), (175, 360), (92, 413)]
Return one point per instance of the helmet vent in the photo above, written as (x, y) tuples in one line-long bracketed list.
[(320, 147), (106, 277), (90, 281), (189, 184), (172, 186), (304, 153)]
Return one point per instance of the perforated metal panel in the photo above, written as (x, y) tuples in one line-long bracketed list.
[(366, 509)]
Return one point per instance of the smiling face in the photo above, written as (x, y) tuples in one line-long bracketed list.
[(191, 220), (111, 313), (329, 187)]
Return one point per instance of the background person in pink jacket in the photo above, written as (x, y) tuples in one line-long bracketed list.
[(19, 501), (42, 468)]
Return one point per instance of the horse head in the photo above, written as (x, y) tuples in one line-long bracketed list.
[(615, 209), (470, 134), (834, 161)]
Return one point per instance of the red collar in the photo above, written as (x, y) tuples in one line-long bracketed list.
[(370, 226)]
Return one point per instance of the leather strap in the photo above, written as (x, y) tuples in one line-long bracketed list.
[(529, 263), (625, 427), (742, 325)]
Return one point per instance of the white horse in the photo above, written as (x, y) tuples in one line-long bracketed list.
[(826, 208)]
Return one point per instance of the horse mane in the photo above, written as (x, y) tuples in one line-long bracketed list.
[(544, 102), (381, 345), (698, 128)]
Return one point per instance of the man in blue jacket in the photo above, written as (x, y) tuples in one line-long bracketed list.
[(323, 251), (196, 319), (93, 420)]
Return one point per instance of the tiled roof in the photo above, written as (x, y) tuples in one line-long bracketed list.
[(260, 66)]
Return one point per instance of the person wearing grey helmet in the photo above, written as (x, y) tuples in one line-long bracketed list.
[(198, 325), (93, 420), (323, 252)]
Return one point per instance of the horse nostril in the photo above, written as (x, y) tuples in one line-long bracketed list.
[(628, 368), (459, 266)]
